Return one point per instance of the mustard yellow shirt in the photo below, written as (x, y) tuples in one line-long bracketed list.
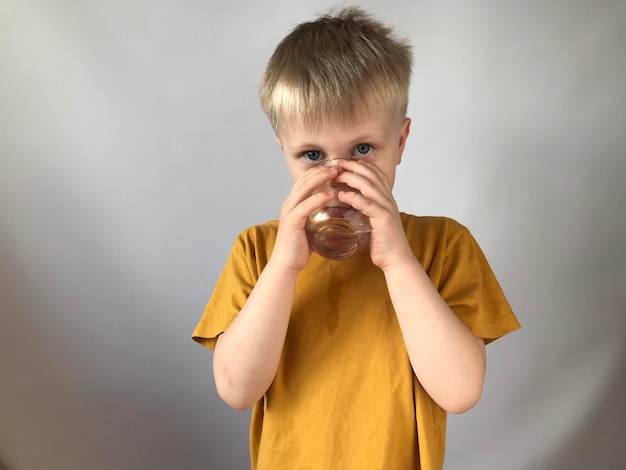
[(345, 396)]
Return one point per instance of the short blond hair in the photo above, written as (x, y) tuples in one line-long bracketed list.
[(333, 68)]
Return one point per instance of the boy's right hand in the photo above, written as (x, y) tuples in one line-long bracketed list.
[(292, 250)]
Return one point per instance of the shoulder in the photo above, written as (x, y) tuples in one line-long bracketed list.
[(260, 232), (432, 226), (434, 238), (256, 241)]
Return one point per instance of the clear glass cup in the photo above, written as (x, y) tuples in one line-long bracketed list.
[(337, 231)]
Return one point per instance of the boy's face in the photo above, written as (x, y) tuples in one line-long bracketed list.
[(380, 138)]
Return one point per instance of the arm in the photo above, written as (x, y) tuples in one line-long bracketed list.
[(448, 360), (247, 354)]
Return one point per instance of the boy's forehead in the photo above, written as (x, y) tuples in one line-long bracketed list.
[(367, 115), (296, 132), (294, 126)]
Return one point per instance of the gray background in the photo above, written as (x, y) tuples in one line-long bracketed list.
[(133, 150)]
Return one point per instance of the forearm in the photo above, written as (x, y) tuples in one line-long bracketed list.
[(247, 354), (448, 360)]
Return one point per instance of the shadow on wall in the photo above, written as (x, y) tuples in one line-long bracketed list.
[(593, 444)]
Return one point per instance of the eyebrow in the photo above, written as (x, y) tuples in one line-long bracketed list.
[(362, 138), (305, 146)]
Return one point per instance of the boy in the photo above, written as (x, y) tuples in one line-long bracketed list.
[(349, 364)]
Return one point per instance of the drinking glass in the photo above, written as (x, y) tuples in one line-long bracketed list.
[(337, 231)]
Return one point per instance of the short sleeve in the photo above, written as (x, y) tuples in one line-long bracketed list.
[(233, 287), (472, 291)]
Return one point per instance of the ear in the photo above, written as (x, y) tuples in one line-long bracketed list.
[(280, 144), (404, 134)]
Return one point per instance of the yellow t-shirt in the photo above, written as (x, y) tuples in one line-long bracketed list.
[(345, 396)]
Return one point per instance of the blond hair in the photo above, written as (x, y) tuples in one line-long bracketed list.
[(334, 68)]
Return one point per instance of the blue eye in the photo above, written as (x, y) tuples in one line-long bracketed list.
[(312, 156), (362, 150)]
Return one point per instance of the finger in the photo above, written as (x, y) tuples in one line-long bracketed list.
[(308, 183), (297, 215), (315, 201), (317, 175), (381, 208), (366, 180), (369, 184), (367, 169)]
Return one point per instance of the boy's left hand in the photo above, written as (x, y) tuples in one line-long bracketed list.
[(388, 243)]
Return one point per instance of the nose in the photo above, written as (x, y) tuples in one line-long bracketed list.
[(331, 162)]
